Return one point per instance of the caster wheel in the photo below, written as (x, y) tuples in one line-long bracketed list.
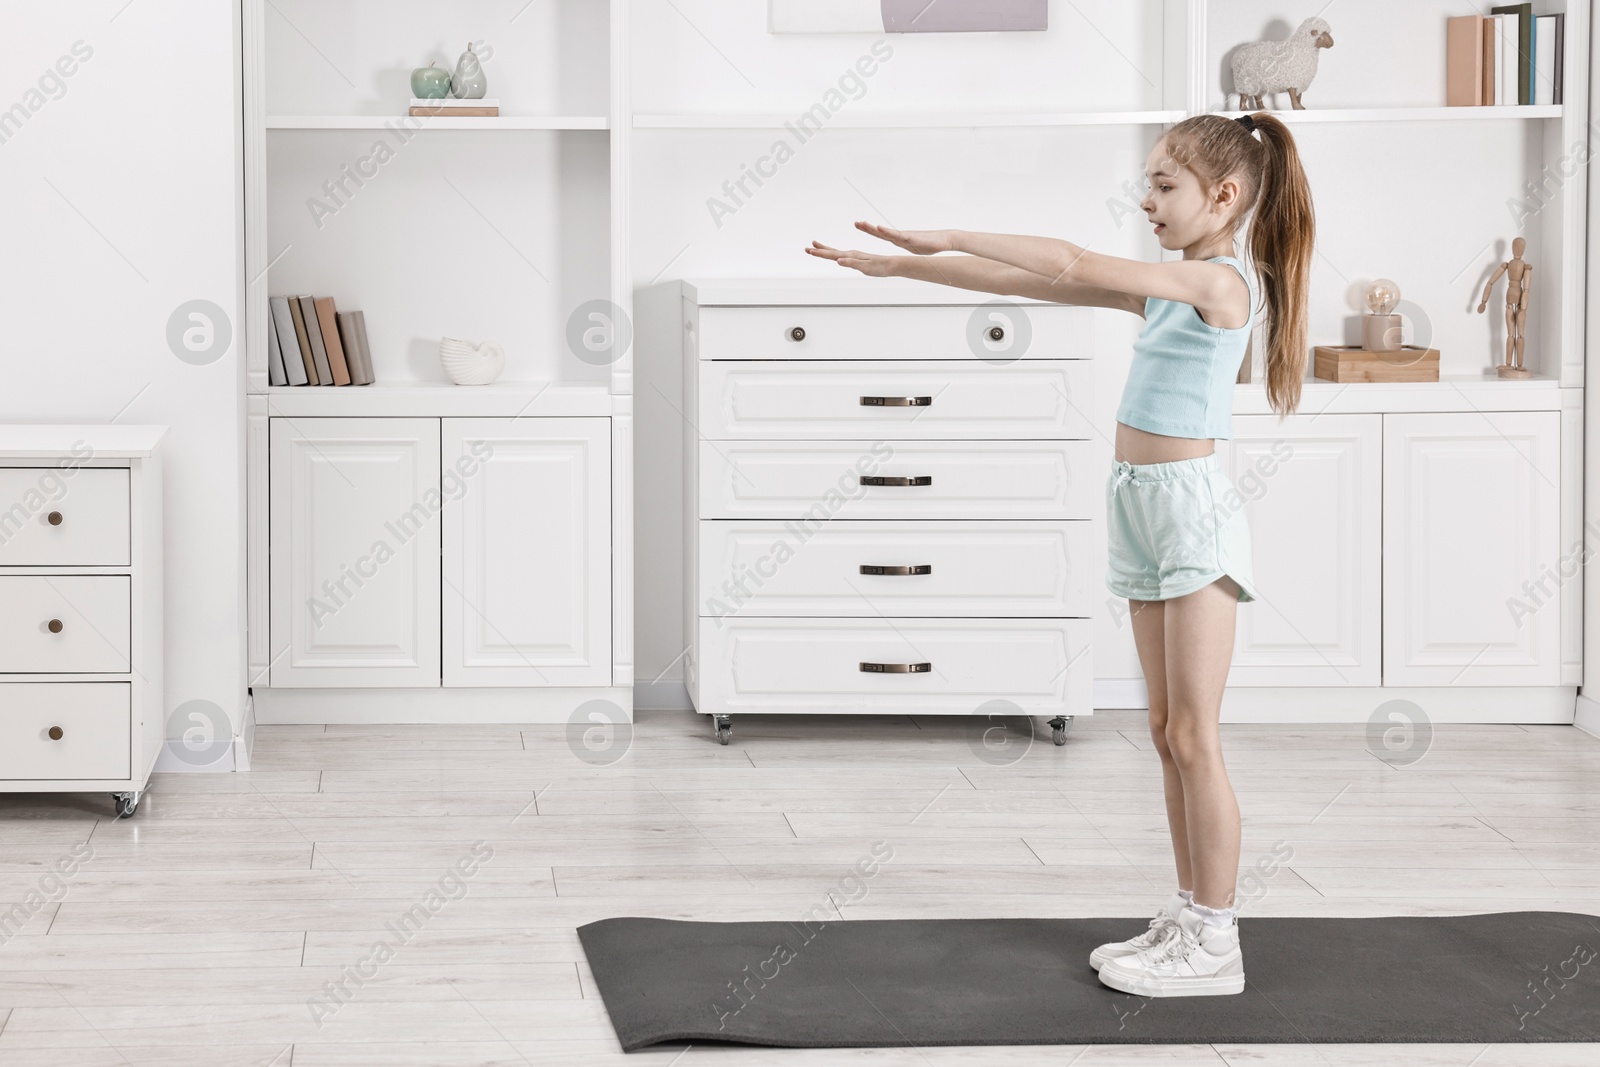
[(723, 724), (127, 804), (1059, 727)]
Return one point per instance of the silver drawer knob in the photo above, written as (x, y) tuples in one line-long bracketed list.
[(55, 626), (797, 334)]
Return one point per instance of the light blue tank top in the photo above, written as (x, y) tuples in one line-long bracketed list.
[(1181, 381)]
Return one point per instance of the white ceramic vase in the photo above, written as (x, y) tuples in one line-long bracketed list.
[(466, 365)]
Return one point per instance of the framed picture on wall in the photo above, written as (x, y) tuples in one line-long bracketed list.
[(905, 16)]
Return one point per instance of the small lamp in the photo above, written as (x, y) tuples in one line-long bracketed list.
[(1380, 330)]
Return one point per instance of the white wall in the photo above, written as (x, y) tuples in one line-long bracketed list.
[(120, 190)]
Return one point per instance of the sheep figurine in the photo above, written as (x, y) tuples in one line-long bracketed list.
[(1264, 68)]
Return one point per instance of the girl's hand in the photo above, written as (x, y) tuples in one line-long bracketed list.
[(917, 242), (874, 266)]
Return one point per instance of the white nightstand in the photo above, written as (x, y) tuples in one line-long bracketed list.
[(80, 609)]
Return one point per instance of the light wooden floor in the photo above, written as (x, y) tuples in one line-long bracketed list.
[(198, 931)]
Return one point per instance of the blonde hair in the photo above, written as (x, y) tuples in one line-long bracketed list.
[(1282, 233)]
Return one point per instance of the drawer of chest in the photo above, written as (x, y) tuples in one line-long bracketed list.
[(899, 480), (907, 568), (998, 332), (1038, 399), (65, 730), (60, 623), (54, 518), (903, 666)]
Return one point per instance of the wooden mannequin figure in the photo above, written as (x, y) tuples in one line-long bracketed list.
[(1519, 280)]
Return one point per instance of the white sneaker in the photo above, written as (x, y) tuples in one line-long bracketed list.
[(1192, 960), (1151, 936)]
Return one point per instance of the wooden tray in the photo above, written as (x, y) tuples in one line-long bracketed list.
[(1347, 363)]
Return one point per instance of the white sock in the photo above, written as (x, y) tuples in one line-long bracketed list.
[(1187, 895), (1214, 916)]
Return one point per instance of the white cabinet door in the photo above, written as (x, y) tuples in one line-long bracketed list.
[(527, 552), (355, 551), (1471, 549), (1312, 492)]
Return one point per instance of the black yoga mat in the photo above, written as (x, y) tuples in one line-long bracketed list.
[(1528, 976)]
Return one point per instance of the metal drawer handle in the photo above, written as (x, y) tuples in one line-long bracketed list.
[(55, 518), (920, 568), (797, 334), (897, 401), (880, 479), (55, 626), (896, 668), (55, 733)]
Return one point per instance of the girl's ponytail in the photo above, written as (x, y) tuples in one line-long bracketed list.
[(1282, 232), (1282, 237)]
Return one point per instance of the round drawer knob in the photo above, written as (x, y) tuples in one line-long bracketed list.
[(55, 626), (797, 334), (55, 518), (55, 733), (997, 333)]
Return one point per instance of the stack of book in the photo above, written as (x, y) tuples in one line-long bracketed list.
[(453, 108), (1510, 56), (309, 342)]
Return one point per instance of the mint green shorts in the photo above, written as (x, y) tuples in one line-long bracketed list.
[(1172, 528)]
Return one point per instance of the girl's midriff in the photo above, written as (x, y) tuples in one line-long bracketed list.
[(1141, 446)]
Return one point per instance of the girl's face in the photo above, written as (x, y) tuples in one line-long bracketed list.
[(1182, 212)]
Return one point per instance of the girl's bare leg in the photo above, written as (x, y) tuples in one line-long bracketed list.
[(1149, 637), (1199, 647)]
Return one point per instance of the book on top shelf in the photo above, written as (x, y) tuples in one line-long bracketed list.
[(353, 332), (330, 340), (1518, 42), (294, 365), (319, 354), (275, 371), (452, 108), (303, 337)]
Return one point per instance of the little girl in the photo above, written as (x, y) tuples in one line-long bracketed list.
[(1176, 552)]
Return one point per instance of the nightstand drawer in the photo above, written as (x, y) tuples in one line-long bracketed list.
[(65, 731), (57, 624), (898, 569), (896, 666), (1033, 399), (900, 480), (55, 518), (998, 332)]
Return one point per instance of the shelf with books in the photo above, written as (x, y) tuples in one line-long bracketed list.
[(1414, 114), (509, 227)]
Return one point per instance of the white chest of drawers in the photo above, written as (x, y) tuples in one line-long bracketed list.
[(80, 609), (888, 492)]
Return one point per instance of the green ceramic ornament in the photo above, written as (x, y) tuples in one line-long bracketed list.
[(468, 82), (430, 83)]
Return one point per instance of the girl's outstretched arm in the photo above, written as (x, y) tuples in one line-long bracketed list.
[(1189, 281), (971, 272)]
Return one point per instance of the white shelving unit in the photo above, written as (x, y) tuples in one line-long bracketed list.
[(1378, 99), (510, 228)]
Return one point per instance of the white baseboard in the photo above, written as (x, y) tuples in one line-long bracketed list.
[(1587, 716), (666, 694), (1114, 694), (434, 704), (180, 757)]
